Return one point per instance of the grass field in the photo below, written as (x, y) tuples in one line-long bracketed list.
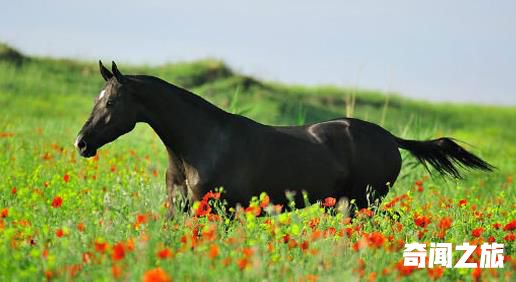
[(67, 218)]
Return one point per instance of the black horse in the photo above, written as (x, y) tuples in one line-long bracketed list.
[(209, 148)]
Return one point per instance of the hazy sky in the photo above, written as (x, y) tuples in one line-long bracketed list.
[(436, 50)]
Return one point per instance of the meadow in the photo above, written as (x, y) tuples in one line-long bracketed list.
[(65, 218)]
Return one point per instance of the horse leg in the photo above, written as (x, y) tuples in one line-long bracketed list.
[(176, 190)]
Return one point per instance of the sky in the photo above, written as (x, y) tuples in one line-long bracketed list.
[(452, 51)]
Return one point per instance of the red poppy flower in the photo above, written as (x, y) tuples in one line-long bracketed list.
[(4, 213), (211, 195), (214, 251), (435, 273), (462, 202), (509, 237), (265, 201), (329, 202), (66, 178), (375, 239), (422, 221), (304, 246), (366, 212), (405, 270), (243, 263), (256, 211), (57, 202), (100, 246), (13, 191), (164, 253), (141, 219), (81, 227), (59, 233), (116, 271), (476, 274), (477, 232), (445, 223), (156, 275), (118, 253), (203, 209), (510, 226)]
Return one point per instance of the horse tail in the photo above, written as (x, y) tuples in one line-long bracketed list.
[(444, 155)]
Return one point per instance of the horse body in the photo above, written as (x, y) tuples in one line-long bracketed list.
[(210, 148)]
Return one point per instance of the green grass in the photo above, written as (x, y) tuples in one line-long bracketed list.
[(44, 102)]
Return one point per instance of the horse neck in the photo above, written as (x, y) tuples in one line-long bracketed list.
[(183, 121)]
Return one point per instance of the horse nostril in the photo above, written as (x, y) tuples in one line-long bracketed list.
[(81, 144)]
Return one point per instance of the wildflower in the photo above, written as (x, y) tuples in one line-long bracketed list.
[(81, 227), (117, 252), (477, 232), (116, 271), (4, 213), (141, 219), (129, 245), (304, 246), (497, 226), (57, 202), (247, 252), (100, 246), (46, 156), (491, 239), (66, 178), (203, 209), (405, 270), (445, 223), (156, 275), (13, 191), (316, 234), (264, 200), (214, 251), (49, 275), (59, 233), (243, 263), (349, 231), (164, 253), (509, 237), (476, 274), (510, 226), (292, 244), (462, 202), (366, 212), (329, 202), (254, 210), (422, 221), (211, 195), (375, 239), (419, 185), (435, 273)]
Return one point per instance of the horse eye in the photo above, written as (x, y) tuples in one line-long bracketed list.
[(109, 103)]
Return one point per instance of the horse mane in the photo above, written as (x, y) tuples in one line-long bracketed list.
[(184, 94)]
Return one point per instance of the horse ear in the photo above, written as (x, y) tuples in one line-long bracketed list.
[(104, 72), (118, 75)]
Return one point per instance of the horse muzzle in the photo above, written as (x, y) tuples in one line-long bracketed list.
[(84, 149)]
